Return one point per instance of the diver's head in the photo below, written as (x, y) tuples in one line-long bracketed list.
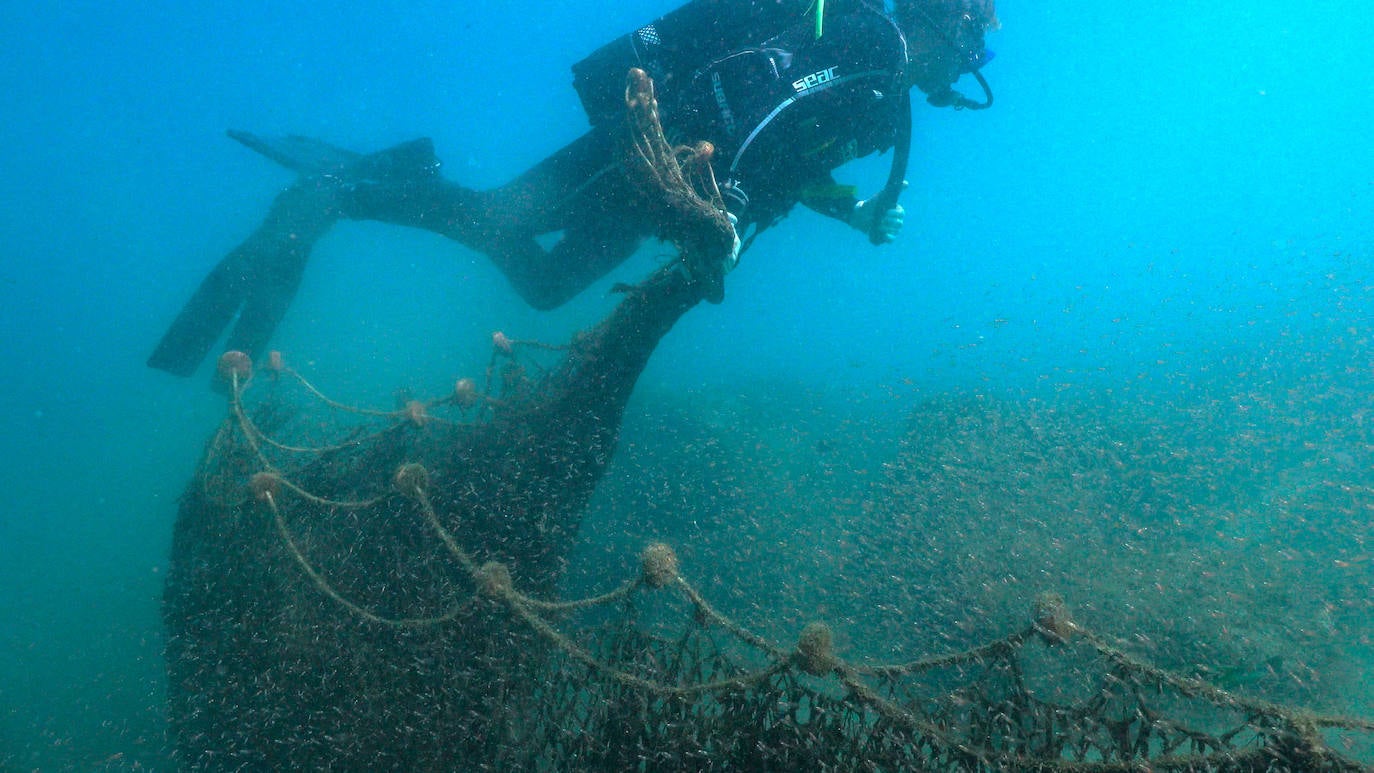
[(945, 41)]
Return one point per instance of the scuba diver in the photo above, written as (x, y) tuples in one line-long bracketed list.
[(784, 90)]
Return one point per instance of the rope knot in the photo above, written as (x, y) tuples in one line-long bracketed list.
[(658, 565), (412, 479), (1051, 618), (816, 650), (494, 581), (265, 486)]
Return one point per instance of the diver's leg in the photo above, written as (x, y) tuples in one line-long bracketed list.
[(601, 233), (579, 262), (578, 190), (578, 196), (259, 276), (410, 192), (552, 194)]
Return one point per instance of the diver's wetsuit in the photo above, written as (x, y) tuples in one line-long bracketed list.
[(850, 107), (782, 107)]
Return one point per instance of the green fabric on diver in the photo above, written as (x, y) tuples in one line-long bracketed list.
[(824, 191)]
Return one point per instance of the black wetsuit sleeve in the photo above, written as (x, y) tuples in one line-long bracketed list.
[(829, 198)]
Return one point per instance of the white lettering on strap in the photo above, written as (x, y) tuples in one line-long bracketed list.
[(792, 100), (818, 78)]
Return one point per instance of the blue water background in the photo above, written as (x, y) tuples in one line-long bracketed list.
[(1158, 185)]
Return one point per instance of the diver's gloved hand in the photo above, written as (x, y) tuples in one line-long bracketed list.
[(710, 275), (733, 259), (707, 271), (882, 226)]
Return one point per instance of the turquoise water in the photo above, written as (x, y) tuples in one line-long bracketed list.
[(1160, 193)]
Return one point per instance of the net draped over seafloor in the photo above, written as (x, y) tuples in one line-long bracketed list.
[(593, 688), (377, 590)]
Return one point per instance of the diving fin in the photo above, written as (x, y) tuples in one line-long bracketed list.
[(409, 161), (255, 282), (299, 154), (204, 316)]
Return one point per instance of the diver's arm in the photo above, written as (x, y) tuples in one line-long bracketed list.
[(830, 198), (881, 223)]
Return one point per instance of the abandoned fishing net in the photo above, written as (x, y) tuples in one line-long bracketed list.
[(378, 590)]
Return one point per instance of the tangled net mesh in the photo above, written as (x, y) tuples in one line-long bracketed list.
[(377, 589), (595, 686)]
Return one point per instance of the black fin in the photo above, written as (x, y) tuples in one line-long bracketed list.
[(299, 154), (203, 318), (266, 301), (256, 281)]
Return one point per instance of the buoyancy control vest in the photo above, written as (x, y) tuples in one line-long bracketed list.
[(752, 77), (675, 45), (799, 105)]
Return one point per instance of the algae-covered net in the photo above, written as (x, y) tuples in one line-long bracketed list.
[(378, 590), (391, 624)]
